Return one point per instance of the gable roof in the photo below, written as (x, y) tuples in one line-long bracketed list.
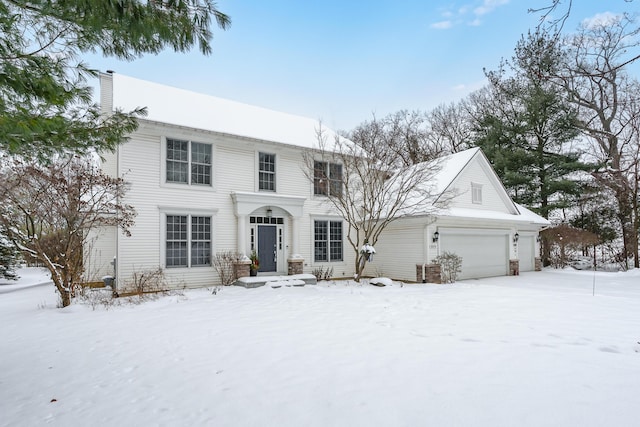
[(451, 167), (181, 107)]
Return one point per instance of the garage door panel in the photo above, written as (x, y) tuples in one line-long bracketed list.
[(483, 255), (526, 249)]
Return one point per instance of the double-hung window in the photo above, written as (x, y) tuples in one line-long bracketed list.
[(327, 241), (188, 241), (327, 179), (267, 172), (188, 162)]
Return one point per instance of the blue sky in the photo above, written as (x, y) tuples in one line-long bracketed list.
[(341, 61)]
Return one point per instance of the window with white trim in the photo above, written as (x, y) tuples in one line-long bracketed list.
[(327, 179), (327, 241), (476, 193), (188, 162), (267, 172), (188, 241)]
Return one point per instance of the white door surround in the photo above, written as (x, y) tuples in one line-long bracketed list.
[(273, 206)]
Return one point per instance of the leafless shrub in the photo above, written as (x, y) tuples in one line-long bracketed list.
[(98, 298), (224, 262), (147, 281), (322, 274), (565, 242), (450, 266)]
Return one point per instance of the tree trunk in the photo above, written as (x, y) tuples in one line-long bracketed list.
[(65, 292), (629, 238), (361, 262), (65, 297), (636, 220)]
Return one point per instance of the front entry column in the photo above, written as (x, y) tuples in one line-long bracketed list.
[(242, 234), (295, 263), (295, 237)]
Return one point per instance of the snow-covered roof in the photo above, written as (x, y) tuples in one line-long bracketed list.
[(448, 169), (524, 216), (185, 108)]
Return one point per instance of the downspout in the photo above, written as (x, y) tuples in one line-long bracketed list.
[(426, 253), (106, 108)]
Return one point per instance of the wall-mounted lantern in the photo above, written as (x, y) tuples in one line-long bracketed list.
[(516, 237), (269, 212), (436, 236)]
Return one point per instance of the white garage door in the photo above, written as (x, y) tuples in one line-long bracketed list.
[(526, 249), (483, 255)]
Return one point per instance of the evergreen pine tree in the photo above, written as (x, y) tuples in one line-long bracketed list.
[(45, 101), (527, 129), (9, 256)]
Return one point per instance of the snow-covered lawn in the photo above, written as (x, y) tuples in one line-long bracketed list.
[(533, 350)]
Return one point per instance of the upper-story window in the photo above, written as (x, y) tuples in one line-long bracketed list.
[(476, 193), (188, 162), (327, 179), (267, 172)]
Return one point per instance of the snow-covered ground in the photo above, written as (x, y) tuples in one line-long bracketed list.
[(533, 350)]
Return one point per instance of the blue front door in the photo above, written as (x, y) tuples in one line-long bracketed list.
[(267, 247)]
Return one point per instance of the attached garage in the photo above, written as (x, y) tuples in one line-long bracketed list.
[(472, 216), (484, 253), (526, 250)]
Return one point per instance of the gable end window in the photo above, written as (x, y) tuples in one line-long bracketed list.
[(327, 179), (476, 193), (267, 172), (188, 241), (327, 241), (188, 162)]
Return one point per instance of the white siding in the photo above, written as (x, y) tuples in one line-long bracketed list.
[(399, 249), (99, 253), (476, 173), (234, 163)]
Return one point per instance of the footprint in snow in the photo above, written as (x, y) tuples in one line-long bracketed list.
[(611, 349)]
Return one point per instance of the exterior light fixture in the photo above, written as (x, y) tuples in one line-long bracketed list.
[(516, 237), (269, 212), (436, 236)]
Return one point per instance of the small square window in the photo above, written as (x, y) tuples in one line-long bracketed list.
[(476, 193)]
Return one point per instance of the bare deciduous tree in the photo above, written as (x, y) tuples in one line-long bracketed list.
[(451, 127), (605, 95), (49, 210), (375, 185), (405, 135)]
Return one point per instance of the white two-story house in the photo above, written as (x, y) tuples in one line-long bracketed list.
[(209, 175)]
